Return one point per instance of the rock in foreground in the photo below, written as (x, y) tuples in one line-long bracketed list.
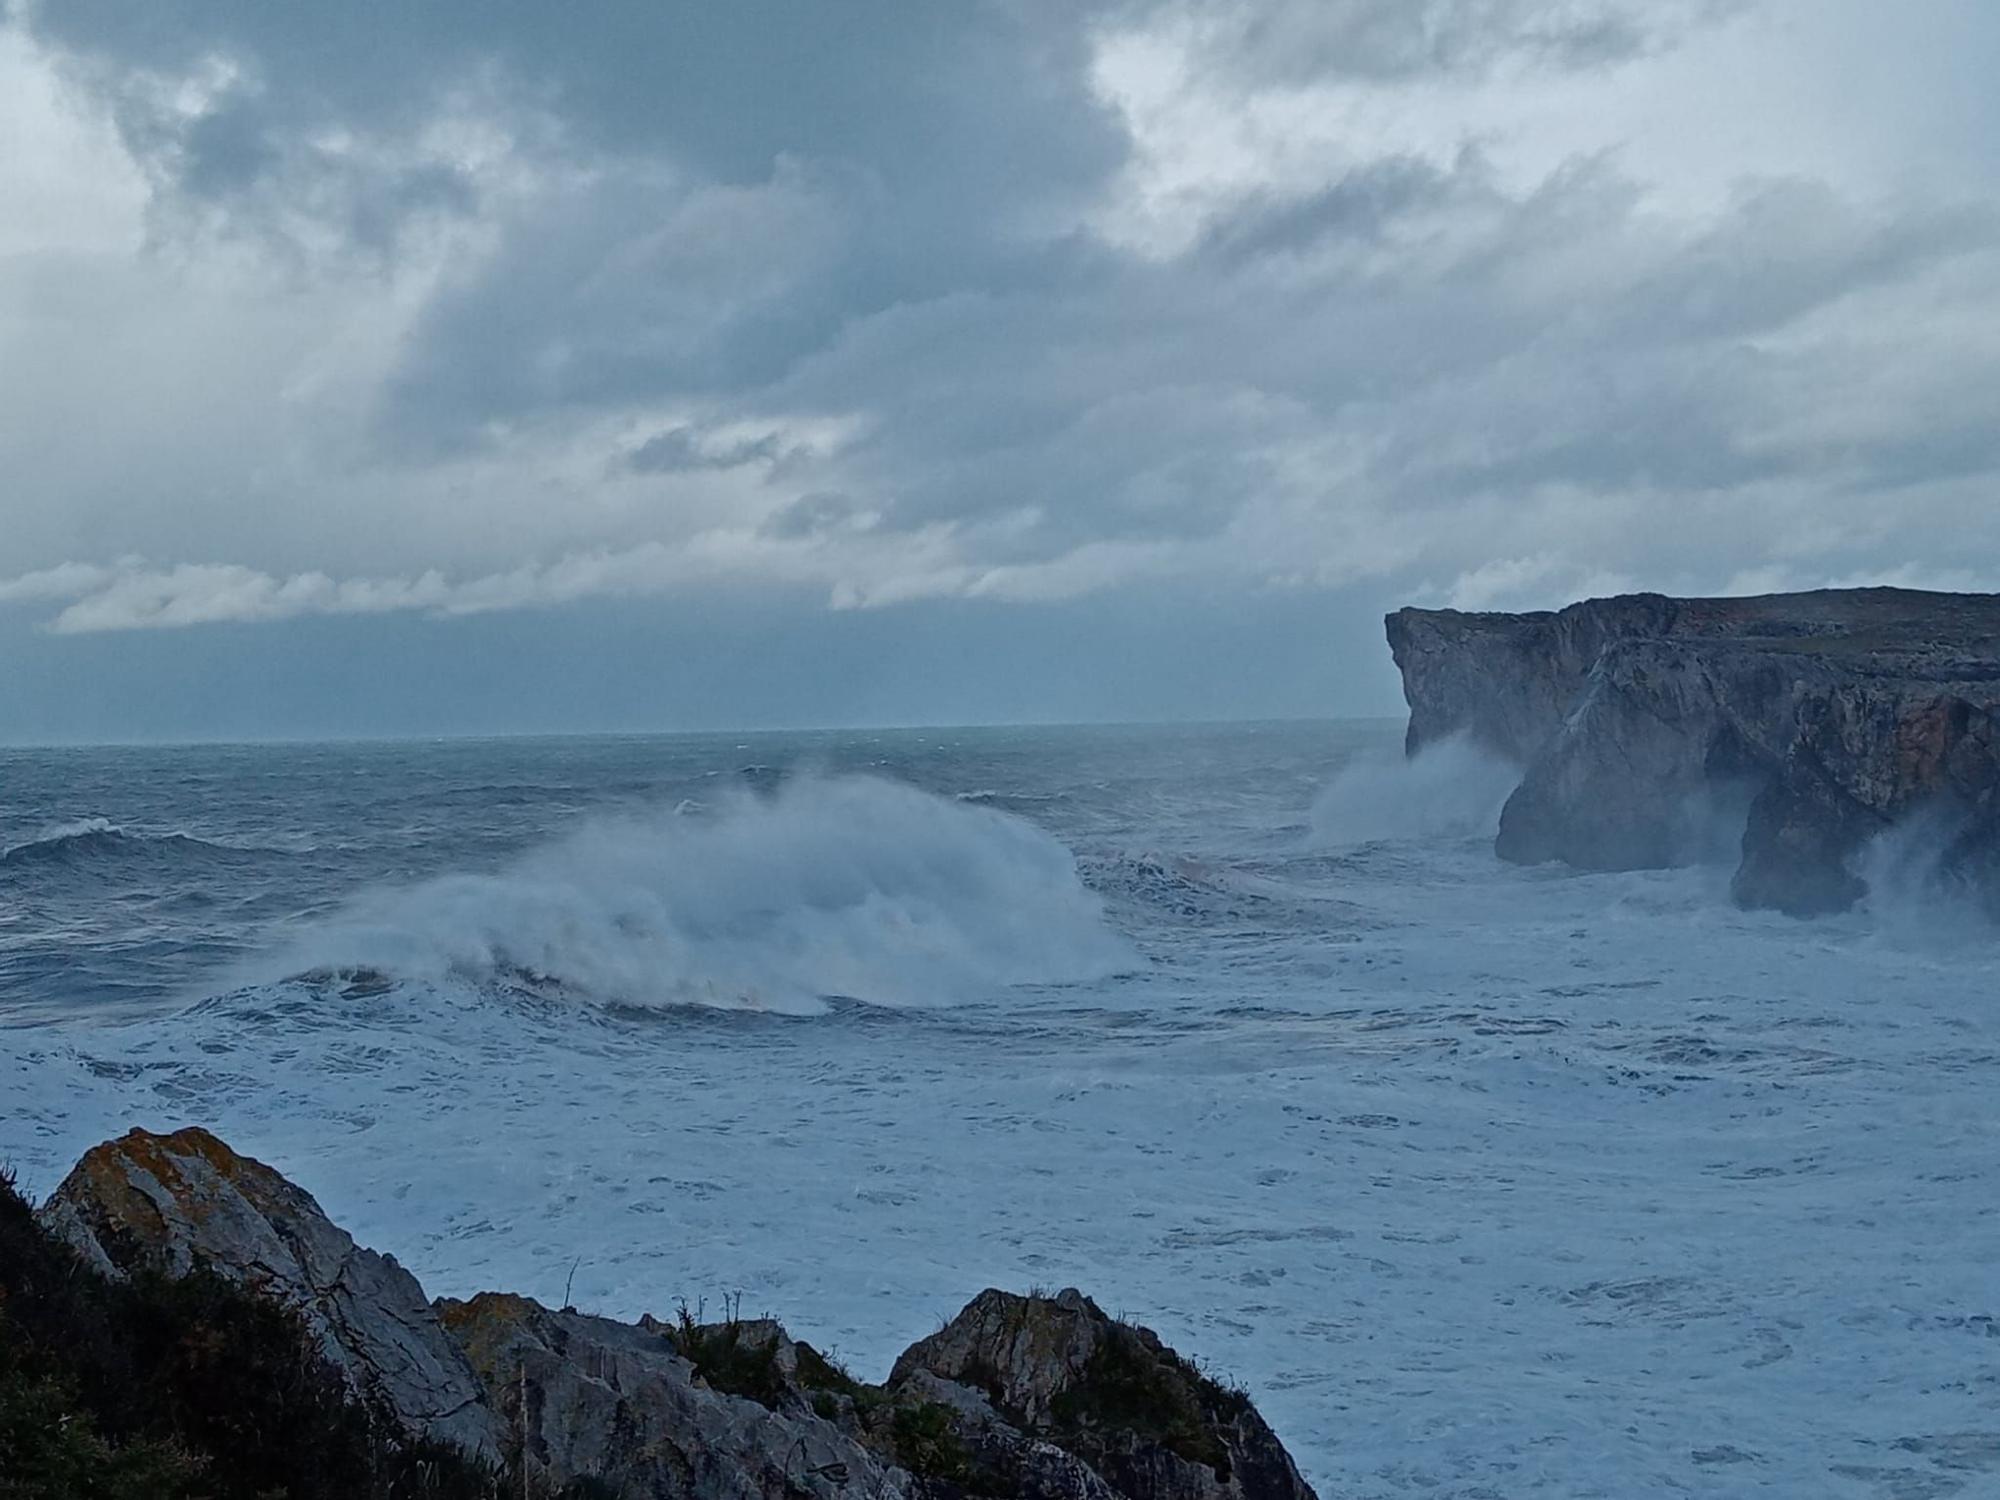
[(1111, 1395), (621, 1405), (1036, 1398), (170, 1203), (1831, 716)]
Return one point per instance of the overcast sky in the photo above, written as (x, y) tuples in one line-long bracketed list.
[(476, 365)]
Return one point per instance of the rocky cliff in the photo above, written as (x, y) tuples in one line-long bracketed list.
[(1825, 718), (1039, 1398)]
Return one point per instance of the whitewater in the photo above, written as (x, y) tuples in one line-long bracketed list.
[(1485, 1181)]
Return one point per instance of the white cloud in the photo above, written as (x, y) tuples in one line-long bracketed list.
[(68, 580)]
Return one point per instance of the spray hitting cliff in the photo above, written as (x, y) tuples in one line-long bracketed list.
[(1832, 715)]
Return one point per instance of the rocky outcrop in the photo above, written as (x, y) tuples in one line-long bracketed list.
[(619, 1404), (171, 1203), (1031, 1398), (1109, 1394), (1823, 718)]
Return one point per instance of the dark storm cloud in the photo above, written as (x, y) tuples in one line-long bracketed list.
[(717, 188), (969, 108)]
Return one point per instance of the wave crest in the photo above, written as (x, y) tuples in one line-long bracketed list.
[(99, 838), (828, 887)]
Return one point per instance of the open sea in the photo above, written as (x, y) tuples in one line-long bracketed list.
[(1485, 1181)]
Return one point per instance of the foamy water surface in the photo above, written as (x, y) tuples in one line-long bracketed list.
[(1486, 1181)]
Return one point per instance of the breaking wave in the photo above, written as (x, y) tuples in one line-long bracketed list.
[(846, 887), (1448, 790)]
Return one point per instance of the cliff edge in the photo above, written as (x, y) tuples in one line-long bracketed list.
[(1828, 717)]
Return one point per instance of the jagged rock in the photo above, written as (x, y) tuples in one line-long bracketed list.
[(988, 1454), (618, 1403), (1028, 1398), (1830, 715), (173, 1202), (1109, 1394), (1087, 1409)]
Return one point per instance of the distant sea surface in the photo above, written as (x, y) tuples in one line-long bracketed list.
[(1486, 1181)]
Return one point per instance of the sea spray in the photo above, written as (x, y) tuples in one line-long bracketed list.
[(1919, 874), (827, 887), (1452, 789)]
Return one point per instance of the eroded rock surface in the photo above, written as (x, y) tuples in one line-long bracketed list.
[(1826, 718), (617, 1403), (1028, 1398), (1109, 1394), (173, 1202)]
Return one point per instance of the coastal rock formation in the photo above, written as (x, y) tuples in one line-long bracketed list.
[(619, 1403), (1826, 718), (1109, 1394), (1032, 1398), (173, 1202)]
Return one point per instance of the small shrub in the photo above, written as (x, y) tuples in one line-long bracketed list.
[(49, 1446), (1125, 1386), (927, 1444), (817, 1372), (729, 1358)]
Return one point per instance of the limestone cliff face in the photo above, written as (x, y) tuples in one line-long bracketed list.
[(1831, 714), (1508, 680)]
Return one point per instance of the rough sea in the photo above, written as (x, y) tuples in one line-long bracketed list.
[(1485, 1181)]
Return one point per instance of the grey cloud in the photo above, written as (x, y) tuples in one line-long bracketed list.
[(972, 111), (628, 284), (1292, 41), (698, 239), (1358, 205), (814, 513), (681, 450), (1565, 341)]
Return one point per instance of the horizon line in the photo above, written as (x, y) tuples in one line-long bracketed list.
[(477, 736)]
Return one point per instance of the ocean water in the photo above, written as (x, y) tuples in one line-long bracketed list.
[(1486, 1182)]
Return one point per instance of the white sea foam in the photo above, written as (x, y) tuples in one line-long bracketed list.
[(829, 887), (1450, 789)]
